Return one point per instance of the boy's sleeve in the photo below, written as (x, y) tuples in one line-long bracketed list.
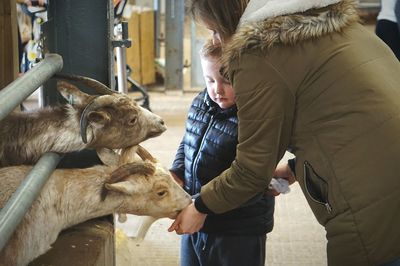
[(178, 165)]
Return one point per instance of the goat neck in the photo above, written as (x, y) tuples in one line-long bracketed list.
[(64, 202), (27, 135)]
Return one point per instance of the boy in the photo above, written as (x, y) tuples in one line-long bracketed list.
[(208, 148)]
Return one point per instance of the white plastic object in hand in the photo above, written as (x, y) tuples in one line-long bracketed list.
[(281, 185)]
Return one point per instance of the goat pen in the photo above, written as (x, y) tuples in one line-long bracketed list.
[(10, 97)]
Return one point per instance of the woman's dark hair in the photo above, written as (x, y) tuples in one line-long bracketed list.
[(222, 15)]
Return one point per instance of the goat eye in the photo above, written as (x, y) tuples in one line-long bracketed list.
[(132, 121), (162, 193)]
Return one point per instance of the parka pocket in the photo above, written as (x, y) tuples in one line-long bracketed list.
[(316, 187)]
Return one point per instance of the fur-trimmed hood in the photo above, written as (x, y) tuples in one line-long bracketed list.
[(258, 10), (262, 27)]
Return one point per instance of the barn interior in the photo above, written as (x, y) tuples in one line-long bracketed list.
[(147, 49)]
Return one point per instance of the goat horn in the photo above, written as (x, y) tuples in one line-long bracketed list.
[(142, 168), (145, 154), (92, 83), (94, 104), (65, 84)]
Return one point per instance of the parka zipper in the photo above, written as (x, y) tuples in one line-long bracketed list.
[(328, 207), (196, 159), (326, 204)]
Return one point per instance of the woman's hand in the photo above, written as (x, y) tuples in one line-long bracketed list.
[(283, 171), (189, 221)]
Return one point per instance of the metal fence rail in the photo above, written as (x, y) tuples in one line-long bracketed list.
[(18, 90), (10, 97), (20, 202)]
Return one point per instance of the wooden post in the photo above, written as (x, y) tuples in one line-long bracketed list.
[(140, 56), (133, 58), (8, 42)]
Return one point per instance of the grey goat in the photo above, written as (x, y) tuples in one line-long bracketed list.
[(111, 120), (72, 196)]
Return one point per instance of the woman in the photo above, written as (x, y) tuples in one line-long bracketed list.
[(308, 77)]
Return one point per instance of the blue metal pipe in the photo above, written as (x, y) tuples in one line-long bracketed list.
[(18, 90), (20, 202)]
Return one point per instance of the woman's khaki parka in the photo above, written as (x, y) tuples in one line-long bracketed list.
[(324, 86)]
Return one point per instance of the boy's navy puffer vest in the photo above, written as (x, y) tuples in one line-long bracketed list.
[(207, 149)]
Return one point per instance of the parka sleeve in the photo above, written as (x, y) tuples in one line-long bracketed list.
[(265, 110)]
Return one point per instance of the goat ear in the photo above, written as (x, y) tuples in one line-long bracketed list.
[(125, 187), (71, 93), (99, 117)]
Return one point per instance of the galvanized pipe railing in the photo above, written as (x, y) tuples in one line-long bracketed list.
[(20, 202), (10, 97), (18, 90)]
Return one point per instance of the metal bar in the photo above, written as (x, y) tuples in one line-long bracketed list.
[(18, 90), (110, 34), (157, 25), (174, 23), (19, 203), (121, 35), (120, 53)]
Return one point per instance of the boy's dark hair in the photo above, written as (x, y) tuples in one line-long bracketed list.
[(210, 50)]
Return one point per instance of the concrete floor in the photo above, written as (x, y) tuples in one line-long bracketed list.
[(297, 239)]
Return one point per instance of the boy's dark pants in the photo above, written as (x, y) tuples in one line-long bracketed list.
[(201, 249)]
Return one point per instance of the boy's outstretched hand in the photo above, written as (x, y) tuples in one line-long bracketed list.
[(189, 221)]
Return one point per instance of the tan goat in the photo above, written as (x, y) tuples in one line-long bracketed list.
[(111, 120), (72, 196)]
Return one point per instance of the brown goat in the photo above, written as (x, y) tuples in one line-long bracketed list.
[(88, 121), (72, 196)]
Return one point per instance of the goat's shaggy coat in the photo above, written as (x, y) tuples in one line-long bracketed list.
[(116, 122), (76, 195)]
